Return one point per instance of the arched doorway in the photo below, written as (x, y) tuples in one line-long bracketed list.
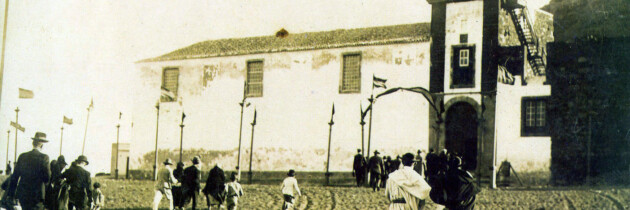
[(461, 133)]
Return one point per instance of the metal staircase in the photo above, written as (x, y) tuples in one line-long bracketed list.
[(526, 35)]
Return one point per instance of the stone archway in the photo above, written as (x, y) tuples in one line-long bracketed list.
[(461, 133)]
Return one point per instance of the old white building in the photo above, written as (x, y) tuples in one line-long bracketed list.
[(293, 82)]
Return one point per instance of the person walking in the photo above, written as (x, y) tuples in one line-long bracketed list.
[(432, 164), (460, 187), (80, 192), (376, 167), (419, 166), (163, 184), (97, 197), (289, 189), (358, 168), (215, 187), (32, 172), (52, 189), (191, 184), (406, 189), (234, 191), (176, 189)]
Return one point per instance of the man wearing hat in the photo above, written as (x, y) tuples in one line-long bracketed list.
[(358, 168), (192, 183), (376, 167), (80, 193), (163, 184), (32, 170)]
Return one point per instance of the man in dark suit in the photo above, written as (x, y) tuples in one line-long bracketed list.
[(32, 172), (358, 168), (191, 184), (78, 178), (376, 169)]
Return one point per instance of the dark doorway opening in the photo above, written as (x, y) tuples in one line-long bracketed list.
[(461, 133)]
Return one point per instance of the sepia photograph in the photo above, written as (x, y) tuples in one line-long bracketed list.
[(302, 104)]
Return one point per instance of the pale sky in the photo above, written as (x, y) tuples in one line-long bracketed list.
[(70, 51)]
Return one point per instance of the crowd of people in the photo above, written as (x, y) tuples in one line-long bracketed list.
[(37, 183), (182, 186), (409, 180)]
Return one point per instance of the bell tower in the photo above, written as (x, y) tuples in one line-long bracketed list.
[(463, 74)]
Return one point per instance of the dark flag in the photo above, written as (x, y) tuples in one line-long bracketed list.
[(333, 112), (183, 116), (427, 95), (119, 115), (254, 122), (379, 82), (364, 113)]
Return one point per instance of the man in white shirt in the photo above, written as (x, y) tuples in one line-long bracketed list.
[(405, 188), (289, 189)]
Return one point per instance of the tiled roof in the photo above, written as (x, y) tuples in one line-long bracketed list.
[(417, 32)]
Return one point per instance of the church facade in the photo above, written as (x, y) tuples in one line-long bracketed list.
[(470, 57)]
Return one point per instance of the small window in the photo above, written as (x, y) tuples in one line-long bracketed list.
[(464, 57), (255, 78), (463, 38), (170, 83), (463, 66), (534, 117), (351, 74)]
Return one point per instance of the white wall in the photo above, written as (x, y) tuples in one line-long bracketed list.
[(524, 153), (298, 92)]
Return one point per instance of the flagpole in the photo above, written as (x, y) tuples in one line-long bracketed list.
[(87, 120), (331, 123), (4, 41), (61, 140), (117, 146), (181, 139), (362, 123), (240, 130), (370, 126), (17, 109), (157, 127), (251, 150), (6, 161)]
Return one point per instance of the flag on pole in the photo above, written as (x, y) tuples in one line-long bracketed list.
[(333, 109), (183, 116), (254, 123), (67, 120), (379, 82), (167, 95), (504, 76), (18, 126), (119, 115), (24, 93), (91, 103)]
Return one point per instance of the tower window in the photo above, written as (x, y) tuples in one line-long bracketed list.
[(463, 66)]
